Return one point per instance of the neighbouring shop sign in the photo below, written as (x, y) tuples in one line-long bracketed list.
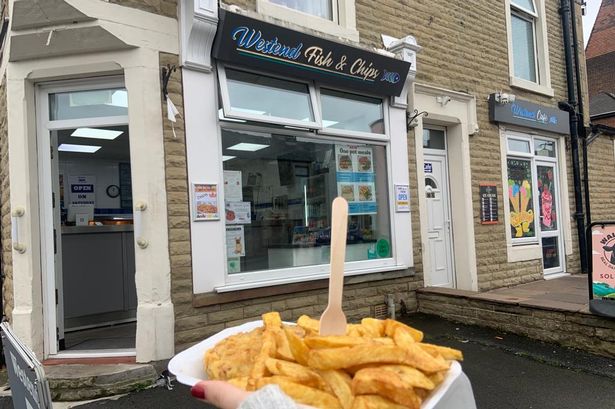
[(488, 203), (529, 115), (29, 387), (260, 45), (602, 277)]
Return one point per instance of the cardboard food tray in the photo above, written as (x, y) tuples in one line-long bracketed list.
[(188, 365)]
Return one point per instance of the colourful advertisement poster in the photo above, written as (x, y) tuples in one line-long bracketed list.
[(205, 198), (603, 262), (520, 198), (355, 178)]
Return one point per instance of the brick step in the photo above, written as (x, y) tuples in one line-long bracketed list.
[(76, 382), (576, 329)]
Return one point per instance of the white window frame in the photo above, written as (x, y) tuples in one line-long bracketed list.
[(541, 48), (261, 278), (343, 13)]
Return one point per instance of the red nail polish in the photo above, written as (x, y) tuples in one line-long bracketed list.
[(198, 391)]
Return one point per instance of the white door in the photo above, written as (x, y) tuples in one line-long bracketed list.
[(550, 223), (439, 233)]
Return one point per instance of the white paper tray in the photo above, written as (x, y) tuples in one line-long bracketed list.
[(188, 367)]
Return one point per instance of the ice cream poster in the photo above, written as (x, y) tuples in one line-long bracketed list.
[(603, 262), (520, 198)]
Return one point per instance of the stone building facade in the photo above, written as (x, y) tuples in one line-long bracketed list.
[(461, 56)]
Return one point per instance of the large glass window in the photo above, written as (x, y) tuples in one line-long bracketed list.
[(88, 104), (524, 52), (320, 8), (278, 193)]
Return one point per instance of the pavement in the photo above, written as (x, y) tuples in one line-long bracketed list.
[(506, 371)]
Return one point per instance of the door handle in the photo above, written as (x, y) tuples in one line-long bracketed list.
[(138, 225), (16, 214)]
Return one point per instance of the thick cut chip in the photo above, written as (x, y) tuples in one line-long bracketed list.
[(437, 378), (373, 327), (447, 353), (391, 325), (374, 402), (267, 350), (297, 346), (298, 373), (340, 383), (410, 376), (241, 382), (310, 325), (383, 341), (302, 394), (386, 384), (333, 341), (346, 357), (402, 337), (272, 320), (283, 350)]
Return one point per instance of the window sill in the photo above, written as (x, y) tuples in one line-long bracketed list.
[(531, 86), (524, 252), (246, 291), (306, 20)]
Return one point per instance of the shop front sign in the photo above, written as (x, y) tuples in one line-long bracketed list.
[(529, 115), (260, 45)]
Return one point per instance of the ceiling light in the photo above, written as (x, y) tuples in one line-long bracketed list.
[(67, 147), (227, 157), (94, 133), (248, 147)]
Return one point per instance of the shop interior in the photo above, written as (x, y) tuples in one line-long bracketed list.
[(278, 193), (92, 181)]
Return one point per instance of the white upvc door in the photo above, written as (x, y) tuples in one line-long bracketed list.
[(549, 217), (439, 233)]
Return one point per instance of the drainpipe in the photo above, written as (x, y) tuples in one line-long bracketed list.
[(571, 108), (582, 129)]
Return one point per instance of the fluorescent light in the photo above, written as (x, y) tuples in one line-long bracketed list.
[(248, 147), (227, 157), (67, 147), (94, 133)]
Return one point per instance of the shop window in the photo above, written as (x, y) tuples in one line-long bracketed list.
[(341, 110), (518, 145), (278, 193), (520, 198), (88, 104), (319, 8), (258, 97), (527, 45), (544, 148)]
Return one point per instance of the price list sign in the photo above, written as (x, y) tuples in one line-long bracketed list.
[(488, 203)]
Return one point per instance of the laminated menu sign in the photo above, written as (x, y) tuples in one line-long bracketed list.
[(232, 186), (205, 198), (238, 213), (488, 203), (235, 242), (355, 178)]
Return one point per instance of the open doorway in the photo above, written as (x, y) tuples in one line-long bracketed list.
[(87, 221)]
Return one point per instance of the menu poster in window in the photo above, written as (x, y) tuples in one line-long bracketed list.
[(235, 242), (205, 199), (232, 186), (488, 203), (355, 178), (238, 213), (82, 190)]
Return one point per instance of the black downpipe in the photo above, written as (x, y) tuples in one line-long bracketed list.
[(581, 111), (571, 107)]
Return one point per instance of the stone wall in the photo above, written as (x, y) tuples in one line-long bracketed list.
[(166, 8), (601, 161), (6, 266)]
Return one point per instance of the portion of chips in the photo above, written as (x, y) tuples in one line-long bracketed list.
[(378, 364)]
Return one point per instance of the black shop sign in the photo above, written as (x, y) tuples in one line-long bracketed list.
[(529, 115), (270, 48)]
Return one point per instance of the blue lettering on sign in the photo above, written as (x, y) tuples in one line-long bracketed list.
[(535, 116), (427, 167), (250, 38), (82, 188)]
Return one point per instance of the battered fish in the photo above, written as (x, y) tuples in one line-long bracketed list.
[(233, 357)]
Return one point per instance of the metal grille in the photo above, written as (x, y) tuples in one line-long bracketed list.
[(380, 311)]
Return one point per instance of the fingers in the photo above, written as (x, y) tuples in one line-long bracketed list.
[(220, 394)]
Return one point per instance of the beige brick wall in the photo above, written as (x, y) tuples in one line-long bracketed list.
[(5, 208), (601, 163), (166, 8)]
